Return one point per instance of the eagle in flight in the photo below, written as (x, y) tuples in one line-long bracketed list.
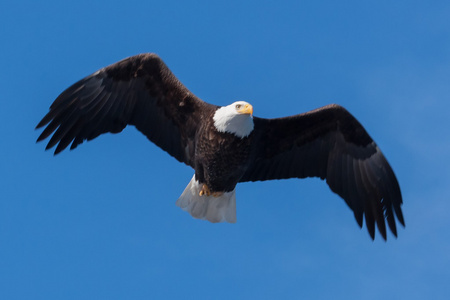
[(227, 145)]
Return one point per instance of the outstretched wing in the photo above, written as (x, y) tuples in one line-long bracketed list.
[(139, 90), (331, 144)]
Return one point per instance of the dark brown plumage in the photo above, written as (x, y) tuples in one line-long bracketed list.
[(331, 144), (328, 142), (139, 91)]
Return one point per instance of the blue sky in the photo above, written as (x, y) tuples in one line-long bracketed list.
[(100, 222)]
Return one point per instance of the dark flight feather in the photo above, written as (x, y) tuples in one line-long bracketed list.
[(331, 144), (140, 91)]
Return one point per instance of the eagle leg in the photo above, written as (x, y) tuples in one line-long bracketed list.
[(217, 194), (207, 192), (204, 191)]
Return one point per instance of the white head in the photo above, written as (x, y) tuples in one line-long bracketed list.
[(235, 118)]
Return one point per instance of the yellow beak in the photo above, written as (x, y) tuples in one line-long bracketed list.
[(247, 109)]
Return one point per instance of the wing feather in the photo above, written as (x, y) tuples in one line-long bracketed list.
[(331, 144), (140, 91)]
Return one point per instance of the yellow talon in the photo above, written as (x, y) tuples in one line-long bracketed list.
[(207, 192), (204, 191), (217, 194)]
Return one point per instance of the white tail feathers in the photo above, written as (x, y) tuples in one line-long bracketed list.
[(213, 209)]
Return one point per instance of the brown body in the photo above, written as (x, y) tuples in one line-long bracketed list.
[(221, 158)]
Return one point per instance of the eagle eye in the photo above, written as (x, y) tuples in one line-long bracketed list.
[(238, 106)]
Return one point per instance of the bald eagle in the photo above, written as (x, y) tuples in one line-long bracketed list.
[(227, 145)]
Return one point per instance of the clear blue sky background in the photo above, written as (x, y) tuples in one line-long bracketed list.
[(100, 222)]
